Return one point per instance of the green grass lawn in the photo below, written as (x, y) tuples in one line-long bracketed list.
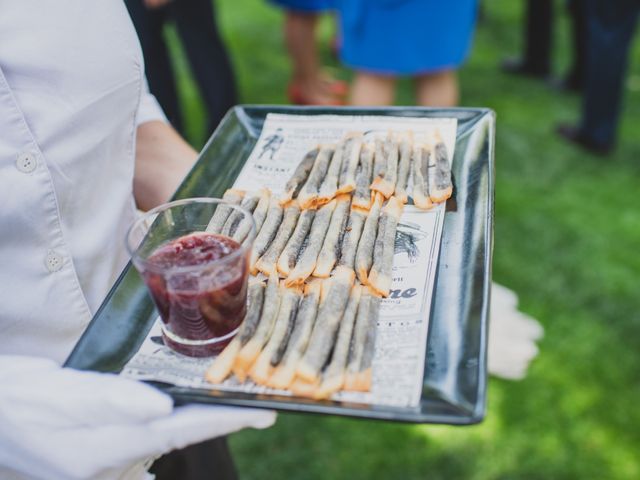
[(567, 240)]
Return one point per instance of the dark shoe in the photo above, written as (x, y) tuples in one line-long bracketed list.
[(572, 83), (565, 85), (574, 135), (515, 66)]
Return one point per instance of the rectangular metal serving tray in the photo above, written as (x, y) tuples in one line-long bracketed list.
[(455, 375)]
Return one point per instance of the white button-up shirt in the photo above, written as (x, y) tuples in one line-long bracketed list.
[(72, 93)]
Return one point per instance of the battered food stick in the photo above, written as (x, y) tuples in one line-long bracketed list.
[(252, 348), (289, 255), (223, 211), (385, 181), (267, 232), (420, 193), (307, 261), (299, 177), (379, 159), (404, 166), (267, 263), (309, 192), (351, 238), (380, 274), (284, 374), (329, 186), (325, 289), (362, 196), (353, 144), (440, 187), (255, 300), (222, 365), (273, 350), (364, 254), (331, 246), (304, 389), (249, 203), (362, 379), (366, 320), (326, 327), (260, 213), (238, 225), (333, 377)]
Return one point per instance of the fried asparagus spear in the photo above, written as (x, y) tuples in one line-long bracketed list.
[(362, 345), (362, 196), (353, 144), (299, 177), (307, 262), (333, 376), (261, 210), (222, 365), (238, 225), (273, 351), (289, 255), (309, 193), (331, 246), (329, 186), (387, 174), (379, 160), (351, 238), (326, 327), (284, 374), (404, 166), (222, 212), (420, 194), (267, 263), (440, 187), (364, 254), (302, 387), (267, 232), (380, 275), (251, 349)]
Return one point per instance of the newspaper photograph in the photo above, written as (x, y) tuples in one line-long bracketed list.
[(400, 344)]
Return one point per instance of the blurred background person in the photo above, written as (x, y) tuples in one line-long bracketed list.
[(426, 40), (536, 58), (611, 26), (196, 25), (538, 44), (309, 85)]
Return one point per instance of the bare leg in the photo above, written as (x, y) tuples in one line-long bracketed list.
[(370, 89), (300, 38), (438, 89)]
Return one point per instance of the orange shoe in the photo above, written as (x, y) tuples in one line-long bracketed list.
[(297, 97)]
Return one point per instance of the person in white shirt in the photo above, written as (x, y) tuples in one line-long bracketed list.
[(82, 144)]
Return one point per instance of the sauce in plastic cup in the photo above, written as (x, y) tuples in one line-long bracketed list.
[(197, 278)]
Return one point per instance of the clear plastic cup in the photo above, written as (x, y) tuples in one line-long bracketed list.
[(197, 274)]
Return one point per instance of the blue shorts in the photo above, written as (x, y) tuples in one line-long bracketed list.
[(406, 37)]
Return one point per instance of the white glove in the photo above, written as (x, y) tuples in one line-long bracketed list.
[(512, 336), (59, 423)]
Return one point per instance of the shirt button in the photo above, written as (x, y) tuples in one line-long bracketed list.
[(53, 261), (26, 162)]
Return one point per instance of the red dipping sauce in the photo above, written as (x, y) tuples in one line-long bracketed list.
[(199, 284)]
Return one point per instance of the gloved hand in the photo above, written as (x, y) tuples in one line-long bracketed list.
[(512, 336), (59, 423)]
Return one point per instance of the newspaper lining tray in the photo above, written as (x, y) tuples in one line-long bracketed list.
[(455, 372)]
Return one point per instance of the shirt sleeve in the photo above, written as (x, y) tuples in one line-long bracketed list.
[(149, 108)]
